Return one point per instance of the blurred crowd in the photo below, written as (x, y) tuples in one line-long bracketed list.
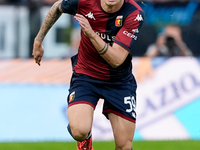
[(52, 1), (27, 1), (169, 43)]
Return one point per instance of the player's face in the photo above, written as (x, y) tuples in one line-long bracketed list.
[(111, 3)]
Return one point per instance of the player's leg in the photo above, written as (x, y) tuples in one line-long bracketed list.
[(82, 100), (80, 118), (123, 131), (119, 107)]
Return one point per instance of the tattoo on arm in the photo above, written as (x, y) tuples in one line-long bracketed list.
[(52, 16), (104, 50)]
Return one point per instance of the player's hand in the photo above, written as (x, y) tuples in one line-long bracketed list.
[(38, 51), (85, 25)]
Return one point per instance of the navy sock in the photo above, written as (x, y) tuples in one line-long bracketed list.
[(89, 135), (69, 130)]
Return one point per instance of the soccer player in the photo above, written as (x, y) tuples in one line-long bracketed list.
[(102, 68)]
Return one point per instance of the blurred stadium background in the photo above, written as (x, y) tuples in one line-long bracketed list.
[(33, 99)]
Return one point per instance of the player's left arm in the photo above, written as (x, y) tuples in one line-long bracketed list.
[(115, 55)]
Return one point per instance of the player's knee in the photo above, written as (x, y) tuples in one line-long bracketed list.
[(124, 146), (79, 133)]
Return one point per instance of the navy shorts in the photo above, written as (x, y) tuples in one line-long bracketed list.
[(119, 98)]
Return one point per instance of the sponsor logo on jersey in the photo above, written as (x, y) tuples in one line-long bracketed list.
[(139, 18), (130, 35), (90, 15), (106, 37), (118, 21), (135, 30), (71, 96)]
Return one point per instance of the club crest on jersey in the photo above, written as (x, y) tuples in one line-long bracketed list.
[(118, 21), (71, 96)]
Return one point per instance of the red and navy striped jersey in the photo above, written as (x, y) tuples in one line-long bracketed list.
[(121, 27)]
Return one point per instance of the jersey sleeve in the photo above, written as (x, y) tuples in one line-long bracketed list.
[(127, 35), (70, 6)]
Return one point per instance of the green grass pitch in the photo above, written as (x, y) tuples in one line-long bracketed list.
[(137, 145)]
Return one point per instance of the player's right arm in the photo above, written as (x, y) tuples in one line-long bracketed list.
[(51, 17)]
